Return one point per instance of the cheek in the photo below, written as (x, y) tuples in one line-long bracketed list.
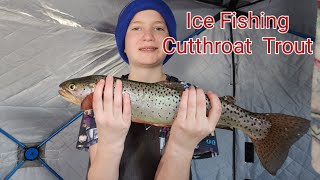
[(161, 42), (162, 37), (130, 42)]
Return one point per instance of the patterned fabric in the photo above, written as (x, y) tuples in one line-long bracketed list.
[(315, 100), (88, 134)]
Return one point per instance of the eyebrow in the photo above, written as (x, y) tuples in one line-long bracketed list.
[(155, 22)]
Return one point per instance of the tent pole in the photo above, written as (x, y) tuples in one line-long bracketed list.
[(14, 170), (60, 129), (21, 145), (233, 6), (49, 168), (233, 94)]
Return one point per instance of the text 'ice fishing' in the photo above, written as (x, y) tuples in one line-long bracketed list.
[(204, 46)]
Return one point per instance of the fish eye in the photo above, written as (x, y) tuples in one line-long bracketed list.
[(72, 86)]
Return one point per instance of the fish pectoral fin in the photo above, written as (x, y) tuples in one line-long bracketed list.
[(87, 102), (172, 85), (228, 99)]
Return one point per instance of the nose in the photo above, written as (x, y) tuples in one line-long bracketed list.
[(148, 36)]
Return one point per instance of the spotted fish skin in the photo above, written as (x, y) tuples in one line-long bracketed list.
[(255, 126), (157, 104)]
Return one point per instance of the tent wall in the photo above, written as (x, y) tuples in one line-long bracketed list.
[(36, 57), (275, 83)]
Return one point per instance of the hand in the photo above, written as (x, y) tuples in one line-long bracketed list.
[(112, 121), (191, 124)]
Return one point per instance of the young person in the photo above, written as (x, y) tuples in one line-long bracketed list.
[(128, 150)]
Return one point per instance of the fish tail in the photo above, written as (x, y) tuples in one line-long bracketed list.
[(274, 148)]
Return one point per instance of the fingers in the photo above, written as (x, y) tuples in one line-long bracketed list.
[(117, 104), (201, 104), (126, 107), (182, 112), (215, 111), (97, 97), (108, 94), (192, 106)]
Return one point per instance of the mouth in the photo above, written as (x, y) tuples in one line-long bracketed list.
[(69, 97), (148, 49), (64, 93)]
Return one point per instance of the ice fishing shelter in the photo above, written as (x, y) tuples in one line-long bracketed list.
[(44, 42)]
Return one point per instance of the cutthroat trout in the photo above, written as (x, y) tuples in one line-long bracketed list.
[(157, 104)]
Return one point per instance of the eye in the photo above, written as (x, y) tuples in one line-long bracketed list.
[(136, 28), (159, 29), (72, 86)]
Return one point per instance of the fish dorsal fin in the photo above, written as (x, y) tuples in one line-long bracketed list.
[(172, 85), (229, 99)]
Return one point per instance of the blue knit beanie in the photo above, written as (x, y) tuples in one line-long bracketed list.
[(136, 6)]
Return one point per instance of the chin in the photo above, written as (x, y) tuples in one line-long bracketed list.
[(146, 64), (151, 62)]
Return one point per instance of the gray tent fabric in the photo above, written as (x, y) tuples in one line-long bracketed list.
[(44, 42), (276, 89)]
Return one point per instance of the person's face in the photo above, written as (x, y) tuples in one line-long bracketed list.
[(143, 42)]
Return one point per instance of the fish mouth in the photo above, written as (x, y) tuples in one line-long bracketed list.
[(69, 96)]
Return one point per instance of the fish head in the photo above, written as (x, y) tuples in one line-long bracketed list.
[(75, 90)]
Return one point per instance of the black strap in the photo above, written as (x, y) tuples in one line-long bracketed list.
[(126, 76), (168, 78), (172, 79)]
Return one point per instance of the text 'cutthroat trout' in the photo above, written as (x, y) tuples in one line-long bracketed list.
[(157, 104)]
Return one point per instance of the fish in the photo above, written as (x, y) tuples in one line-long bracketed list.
[(272, 134)]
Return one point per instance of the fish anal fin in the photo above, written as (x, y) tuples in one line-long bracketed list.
[(225, 127), (172, 85), (153, 124), (284, 132), (87, 102)]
